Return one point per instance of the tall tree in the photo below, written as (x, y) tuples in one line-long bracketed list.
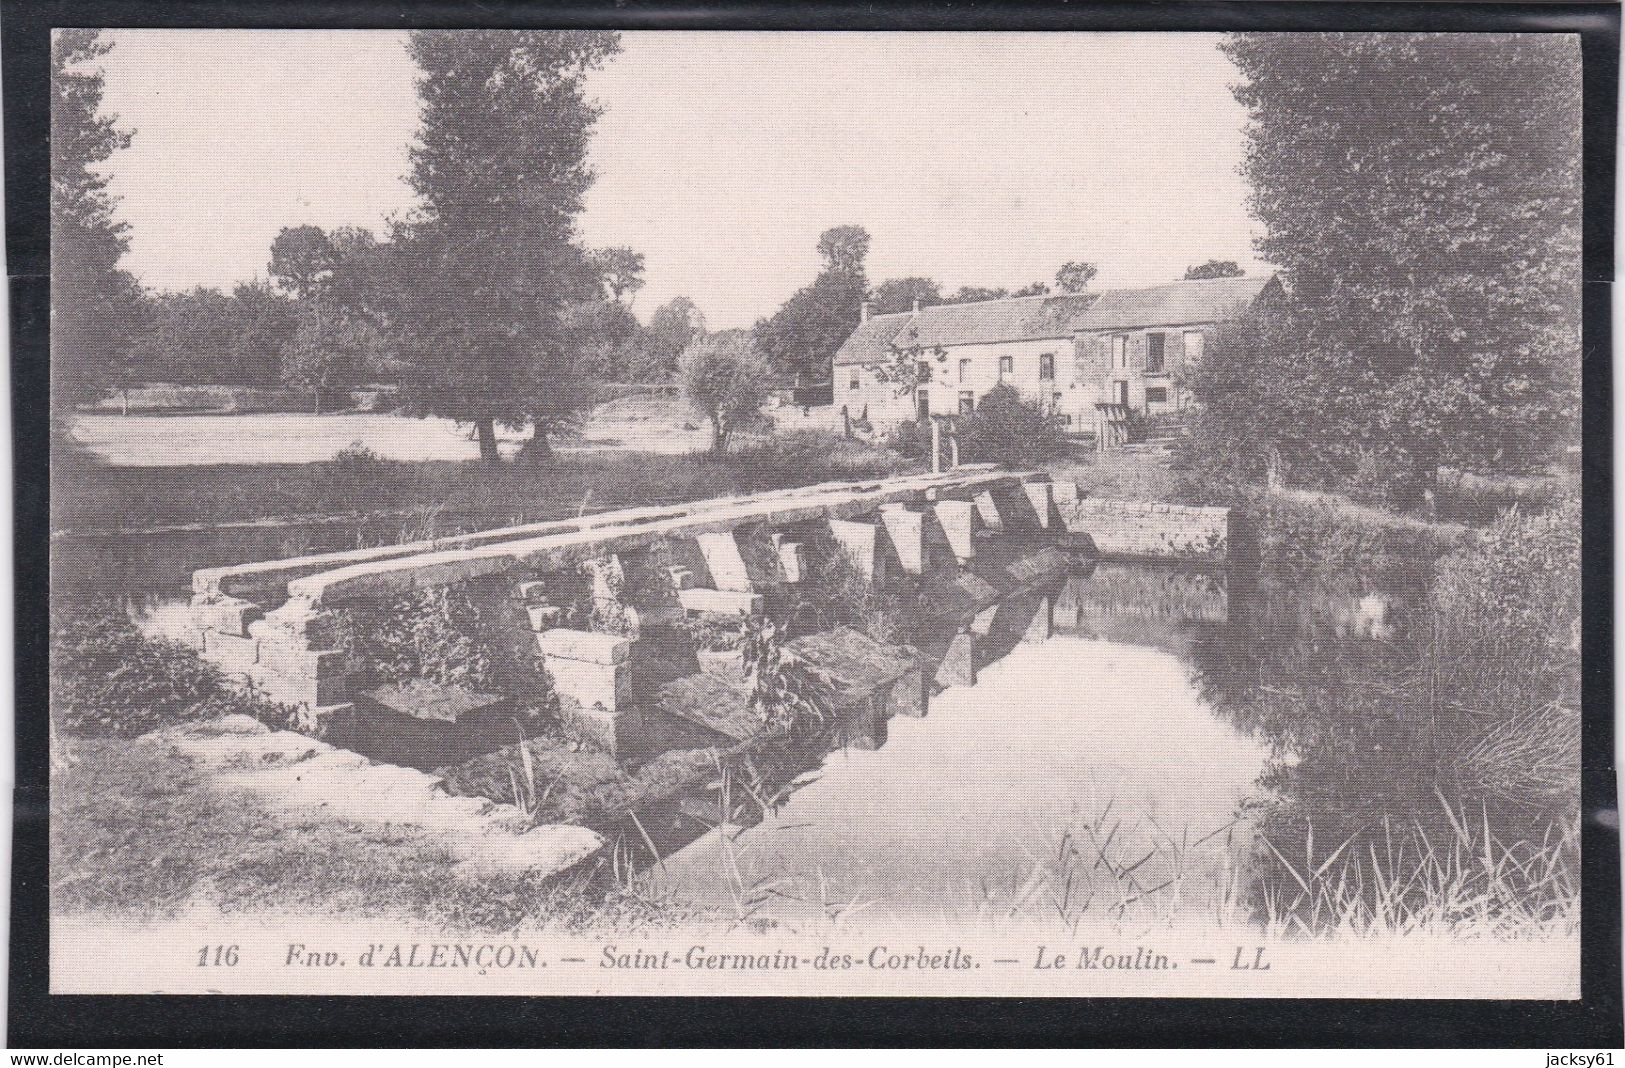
[(1432, 264), (607, 339), (263, 322), (725, 378), (975, 294), (332, 280), (490, 260), (621, 269), (801, 337), (1074, 276), (95, 305), (302, 260), (1214, 269), (899, 294), (844, 248), (672, 327)]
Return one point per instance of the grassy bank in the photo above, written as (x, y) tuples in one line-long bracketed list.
[(139, 830), (88, 495), (140, 827)]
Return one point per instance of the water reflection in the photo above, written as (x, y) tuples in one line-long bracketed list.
[(959, 810), (1067, 751), (1198, 731)]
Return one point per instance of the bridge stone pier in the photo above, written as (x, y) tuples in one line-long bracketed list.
[(279, 625)]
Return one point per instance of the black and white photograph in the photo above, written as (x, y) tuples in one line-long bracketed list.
[(815, 513)]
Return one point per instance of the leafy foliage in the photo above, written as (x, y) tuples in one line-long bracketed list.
[(108, 679), (621, 269), (1423, 205), (488, 264), (94, 303), (786, 697), (899, 294), (1518, 581), (302, 260), (671, 328), (452, 635), (1006, 428), (1075, 276), (726, 380), (1214, 269), (203, 335), (802, 336)]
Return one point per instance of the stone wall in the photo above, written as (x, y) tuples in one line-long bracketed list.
[(1143, 530)]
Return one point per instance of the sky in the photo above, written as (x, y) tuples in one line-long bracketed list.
[(972, 158)]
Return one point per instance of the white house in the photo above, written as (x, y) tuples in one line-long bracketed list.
[(1070, 352)]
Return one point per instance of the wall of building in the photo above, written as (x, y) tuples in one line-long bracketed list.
[(1084, 375), (981, 373), (1092, 359)]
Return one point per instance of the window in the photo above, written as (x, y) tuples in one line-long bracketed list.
[(1006, 365), (967, 402), (1154, 352), (1119, 351), (1193, 346), (853, 382), (964, 370), (1156, 394), (1046, 366)]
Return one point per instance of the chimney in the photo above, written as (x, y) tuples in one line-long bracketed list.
[(863, 311), (916, 305)]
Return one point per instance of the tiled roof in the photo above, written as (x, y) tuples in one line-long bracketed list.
[(1051, 316), (1173, 304), (1011, 319), (871, 341)]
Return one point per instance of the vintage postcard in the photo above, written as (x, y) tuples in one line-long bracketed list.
[(815, 513)]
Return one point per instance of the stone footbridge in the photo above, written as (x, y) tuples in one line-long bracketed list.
[(276, 624)]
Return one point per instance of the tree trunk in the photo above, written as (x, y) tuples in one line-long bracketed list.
[(124, 402), (719, 436), (316, 395), (487, 430), (539, 448), (1416, 494)]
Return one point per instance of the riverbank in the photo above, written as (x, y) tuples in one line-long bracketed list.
[(227, 816), (88, 495)]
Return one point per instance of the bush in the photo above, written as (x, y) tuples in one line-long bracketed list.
[(356, 469), (1300, 535), (1517, 584), (817, 455), (107, 679), (443, 634), (1007, 429)]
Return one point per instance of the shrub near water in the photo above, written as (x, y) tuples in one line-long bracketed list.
[(1007, 429), (1518, 584), (108, 679)]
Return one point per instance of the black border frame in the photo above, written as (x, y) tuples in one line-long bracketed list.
[(39, 1019)]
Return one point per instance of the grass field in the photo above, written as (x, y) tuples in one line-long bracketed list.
[(92, 495)]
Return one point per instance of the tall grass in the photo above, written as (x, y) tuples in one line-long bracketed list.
[(1463, 883), (1400, 880)]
